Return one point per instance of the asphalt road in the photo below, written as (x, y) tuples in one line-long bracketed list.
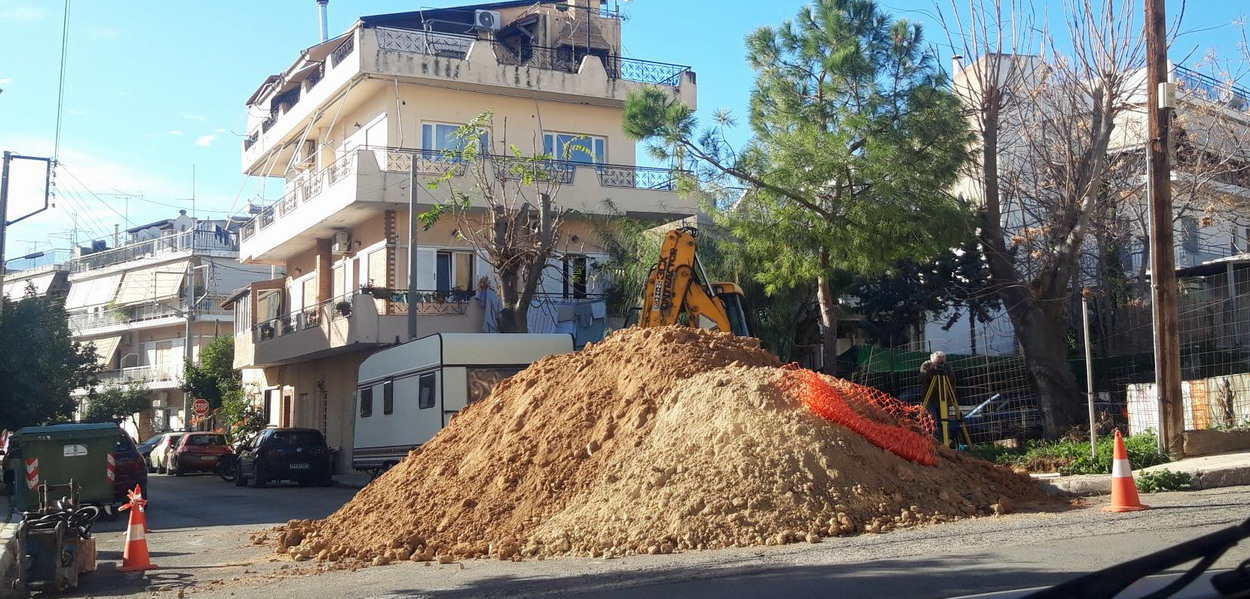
[(201, 526)]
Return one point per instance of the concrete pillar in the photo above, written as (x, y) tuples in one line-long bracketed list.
[(325, 271)]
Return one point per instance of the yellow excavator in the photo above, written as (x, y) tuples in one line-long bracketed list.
[(678, 285)]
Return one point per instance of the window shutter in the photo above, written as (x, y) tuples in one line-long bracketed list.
[(426, 265)]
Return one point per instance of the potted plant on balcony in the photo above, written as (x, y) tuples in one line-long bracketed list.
[(344, 308), (382, 293)]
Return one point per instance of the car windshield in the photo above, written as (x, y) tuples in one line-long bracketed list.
[(152, 440), (298, 438), (206, 440)]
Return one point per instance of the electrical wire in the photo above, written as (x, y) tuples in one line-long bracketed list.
[(60, 94)]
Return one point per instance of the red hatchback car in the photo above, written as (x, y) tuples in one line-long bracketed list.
[(197, 452)]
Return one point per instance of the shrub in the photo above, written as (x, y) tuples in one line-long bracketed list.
[(1163, 480), (1072, 457)]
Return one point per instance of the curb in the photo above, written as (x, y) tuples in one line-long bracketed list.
[(1100, 484)]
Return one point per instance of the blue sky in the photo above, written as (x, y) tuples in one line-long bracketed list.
[(155, 89)]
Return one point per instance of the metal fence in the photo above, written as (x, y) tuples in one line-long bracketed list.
[(192, 241)]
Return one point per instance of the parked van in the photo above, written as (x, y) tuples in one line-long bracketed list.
[(407, 393)]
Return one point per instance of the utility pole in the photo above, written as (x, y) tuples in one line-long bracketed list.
[(412, 249), (187, 349), (4, 213), (1089, 375), (1163, 286)]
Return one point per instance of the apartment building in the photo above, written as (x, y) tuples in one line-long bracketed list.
[(347, 123), (43, 273), (143, 302), (1210, 186)]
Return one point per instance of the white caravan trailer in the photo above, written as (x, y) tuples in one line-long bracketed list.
[(407, 393)]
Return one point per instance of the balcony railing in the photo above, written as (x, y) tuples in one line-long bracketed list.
[(85, 321), (186, 242), (158, 373), (1225, 92), (432, 43), (567, 60), (304, 319), (343, 51), (439, 163)]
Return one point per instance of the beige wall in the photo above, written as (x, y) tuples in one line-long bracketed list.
[(337, 376)]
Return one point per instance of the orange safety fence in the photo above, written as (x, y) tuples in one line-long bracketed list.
[(903, 429)]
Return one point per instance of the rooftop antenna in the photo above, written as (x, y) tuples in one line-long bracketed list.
[(321, 13)]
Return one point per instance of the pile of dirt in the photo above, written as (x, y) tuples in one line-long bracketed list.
[(654, 440)]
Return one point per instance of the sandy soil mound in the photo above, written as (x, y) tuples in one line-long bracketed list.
[(652, 441)]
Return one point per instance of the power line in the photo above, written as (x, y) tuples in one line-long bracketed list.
[(60, 94)]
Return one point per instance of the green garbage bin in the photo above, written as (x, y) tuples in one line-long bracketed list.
[(57, 454)]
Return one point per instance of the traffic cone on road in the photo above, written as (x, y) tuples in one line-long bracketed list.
[(135, 557), (1123, 487)]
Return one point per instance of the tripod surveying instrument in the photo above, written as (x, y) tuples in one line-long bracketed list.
[(941, 388)]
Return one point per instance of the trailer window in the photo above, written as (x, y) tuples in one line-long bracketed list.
[(366, 402), (483, 380), (425, 391), (388, 397)]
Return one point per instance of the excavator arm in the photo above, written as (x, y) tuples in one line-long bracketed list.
[(678, 285)]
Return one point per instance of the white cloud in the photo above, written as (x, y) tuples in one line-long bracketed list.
[(205, 140), (99, 32), (193, 117), (6, 80), (23, 13), (176, 133)]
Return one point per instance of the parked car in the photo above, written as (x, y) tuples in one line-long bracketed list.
[(158, 459), (146, 447), (297, 454), (1004, 416), (129, 468), (197, 452)]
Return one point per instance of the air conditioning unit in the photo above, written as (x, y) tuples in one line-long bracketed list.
[(342, 243), (486, 19)]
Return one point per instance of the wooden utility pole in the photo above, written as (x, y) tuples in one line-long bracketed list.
[(1163, 288)]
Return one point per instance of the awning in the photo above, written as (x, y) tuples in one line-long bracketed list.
[(151, 284), (92, 292), (105, 348), (16, 289), (320, 51)]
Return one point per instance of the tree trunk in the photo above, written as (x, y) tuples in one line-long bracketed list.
[(829, 323), (1041, 335)]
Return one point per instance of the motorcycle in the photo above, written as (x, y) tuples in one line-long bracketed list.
[(227, 467)]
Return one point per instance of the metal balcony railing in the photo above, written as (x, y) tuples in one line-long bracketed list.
[(1225, 92), (568, 60), (307, 187), (187, 242), (82, 322), (431, 43), (158, 373), (343, 51)]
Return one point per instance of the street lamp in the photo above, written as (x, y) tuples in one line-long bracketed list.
[(30, 256)]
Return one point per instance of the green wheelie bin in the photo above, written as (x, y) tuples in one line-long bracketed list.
[(57, 454)]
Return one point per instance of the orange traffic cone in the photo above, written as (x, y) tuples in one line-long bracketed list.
[(135, 557), (1123, 487)]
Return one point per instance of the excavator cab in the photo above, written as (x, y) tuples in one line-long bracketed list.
[(678, 286)]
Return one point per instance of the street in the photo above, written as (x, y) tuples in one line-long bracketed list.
[(200, 527)]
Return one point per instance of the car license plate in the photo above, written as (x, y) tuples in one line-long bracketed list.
[(299, 466)]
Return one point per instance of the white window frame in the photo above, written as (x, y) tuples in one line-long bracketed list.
[(551, 137), (430, 137)]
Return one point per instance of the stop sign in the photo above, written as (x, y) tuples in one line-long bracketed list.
[(200, 407)]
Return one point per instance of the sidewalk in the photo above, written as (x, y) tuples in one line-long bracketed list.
[(352, 480), (8, 546), (1208, 472)]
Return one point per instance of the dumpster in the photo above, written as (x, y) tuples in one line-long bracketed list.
[(61, 453)]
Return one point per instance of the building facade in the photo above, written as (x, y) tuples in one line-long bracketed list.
[(346, 126), (1210, 187), (154, 301)]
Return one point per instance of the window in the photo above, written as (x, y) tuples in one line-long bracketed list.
[(454, 270), (388, 397), (575, 277), (366, 402), (576, 147), (1189, 233), (425, 391), (442, 137)]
